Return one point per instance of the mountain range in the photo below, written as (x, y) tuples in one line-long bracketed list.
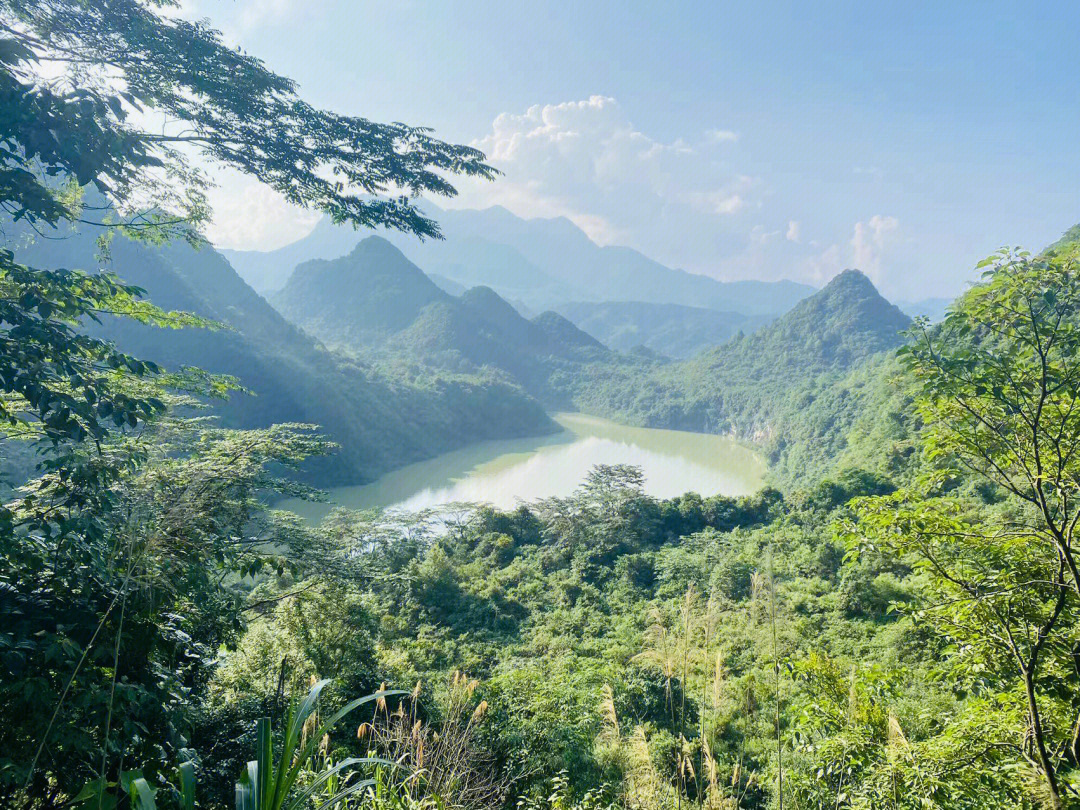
[(535, 262), (377, 303), (674, 330), (395, 368), (374, 298)]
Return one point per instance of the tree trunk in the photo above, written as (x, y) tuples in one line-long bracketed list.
[(1040, 743)]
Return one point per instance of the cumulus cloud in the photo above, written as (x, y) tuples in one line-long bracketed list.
[(875, 248), (793, 228), (872, 243), (676, 200), (822, 266)]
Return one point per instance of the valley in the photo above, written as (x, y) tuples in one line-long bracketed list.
[(682, 450)]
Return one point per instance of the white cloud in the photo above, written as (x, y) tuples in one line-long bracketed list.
[(872, 243), (793, 228), (238, 19), (874, 248), (822, 266), (722, 135), (250, 215), (759, 235), (678, 200)]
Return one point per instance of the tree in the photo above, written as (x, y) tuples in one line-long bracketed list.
[(108, 112), (122, 67), (998, 597), (999, 381), (126, 65)]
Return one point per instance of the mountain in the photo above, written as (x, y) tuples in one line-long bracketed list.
[(483, 330), (375, 301), (447, 285), (538, 263), (844, 322), (565, 332), (472, 260), (780, 387), (360, 299), (266, 271), (381, 418), (674, 330), (568, 266)]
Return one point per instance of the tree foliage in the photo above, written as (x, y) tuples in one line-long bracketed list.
[(121, 562)]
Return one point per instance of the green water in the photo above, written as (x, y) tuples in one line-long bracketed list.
[(506, 472)]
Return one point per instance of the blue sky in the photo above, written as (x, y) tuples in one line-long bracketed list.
[(765, 140)]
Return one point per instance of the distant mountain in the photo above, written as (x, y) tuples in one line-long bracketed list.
[(538, 263), (266, 271), (568, 266), (379, 419), (447, 285), (674, 330), (932, 308), (360, 299), (472, 260), (374, 299)]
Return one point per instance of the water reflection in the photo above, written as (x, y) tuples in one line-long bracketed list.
[(505, 473)]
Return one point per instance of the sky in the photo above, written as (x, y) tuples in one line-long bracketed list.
[(760, 140)]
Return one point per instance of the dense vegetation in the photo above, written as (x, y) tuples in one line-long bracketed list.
[(669, 329), (897, 627)]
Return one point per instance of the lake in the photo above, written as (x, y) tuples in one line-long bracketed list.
[(506, 472)]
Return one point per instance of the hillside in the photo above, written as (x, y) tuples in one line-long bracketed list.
[(782, 387), (670, 329), (381, 417), (846, 321), (360, 299), (376, 302)]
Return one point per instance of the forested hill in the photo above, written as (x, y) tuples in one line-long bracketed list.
[(831, 330), (765, 387), (380, 417), (360, 299), (376, 302)]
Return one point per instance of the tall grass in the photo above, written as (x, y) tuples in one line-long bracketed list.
[(687, 649)]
